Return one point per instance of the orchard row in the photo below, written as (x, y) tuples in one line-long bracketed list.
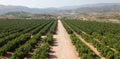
[(103, 36), (22, 37)]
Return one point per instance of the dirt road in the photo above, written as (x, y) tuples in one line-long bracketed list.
[(62, 47)]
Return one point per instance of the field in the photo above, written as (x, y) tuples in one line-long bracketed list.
[(102, 38), (21, 38), (59, 39)]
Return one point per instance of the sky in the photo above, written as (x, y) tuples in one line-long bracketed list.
[(53, 3)]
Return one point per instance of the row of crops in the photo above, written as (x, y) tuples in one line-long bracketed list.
[(22, 37), (103, 36)]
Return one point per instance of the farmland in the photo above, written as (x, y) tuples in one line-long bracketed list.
[(102, 36), (21, 38), (59, 39)]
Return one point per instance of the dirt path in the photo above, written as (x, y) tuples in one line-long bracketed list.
[(62, 47), (90, 46)]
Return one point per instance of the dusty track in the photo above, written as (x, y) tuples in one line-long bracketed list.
[(62, 47)]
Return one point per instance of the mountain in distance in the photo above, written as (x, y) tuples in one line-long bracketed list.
[(88, 8), (5, 9), (100, 8)]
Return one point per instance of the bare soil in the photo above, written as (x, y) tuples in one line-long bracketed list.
[(62, 47)]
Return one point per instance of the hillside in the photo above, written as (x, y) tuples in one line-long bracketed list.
[(89, 8)]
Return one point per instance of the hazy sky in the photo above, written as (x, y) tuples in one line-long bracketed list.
[(53, 3)]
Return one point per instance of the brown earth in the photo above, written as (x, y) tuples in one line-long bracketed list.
[(62, 47)]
